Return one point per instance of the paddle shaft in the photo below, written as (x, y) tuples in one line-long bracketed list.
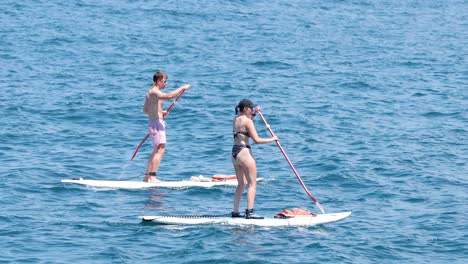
[(164, 115), (291, 165), (173, 103)]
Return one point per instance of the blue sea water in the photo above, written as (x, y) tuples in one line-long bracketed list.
[(369, 100)]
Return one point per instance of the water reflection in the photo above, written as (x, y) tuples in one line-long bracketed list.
[(155, 200)]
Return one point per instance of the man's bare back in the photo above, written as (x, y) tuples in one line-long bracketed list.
[(153, 106)]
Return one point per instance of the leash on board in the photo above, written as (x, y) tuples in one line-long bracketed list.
[(292, 166), (164, 115)]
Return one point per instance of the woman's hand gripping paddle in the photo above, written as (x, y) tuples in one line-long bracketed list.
[(292, 166), (164, 115)]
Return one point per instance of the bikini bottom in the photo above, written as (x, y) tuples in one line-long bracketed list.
[(237, 148)]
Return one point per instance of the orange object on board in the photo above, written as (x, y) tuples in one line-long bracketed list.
[(223, 177), (295, 212)]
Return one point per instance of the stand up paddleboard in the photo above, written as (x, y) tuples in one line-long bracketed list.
[(195, 181), (239, 221)]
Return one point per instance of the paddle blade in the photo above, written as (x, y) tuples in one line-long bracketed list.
[(320, 207)]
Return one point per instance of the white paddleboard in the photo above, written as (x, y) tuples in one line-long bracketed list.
[(227, 220), (197, 181)]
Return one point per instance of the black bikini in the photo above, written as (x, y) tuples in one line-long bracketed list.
[(238, 148), (245, 133)]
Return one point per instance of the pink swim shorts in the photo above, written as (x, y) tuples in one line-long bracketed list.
[(157, 131)]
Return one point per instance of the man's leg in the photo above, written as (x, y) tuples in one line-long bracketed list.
[(154, 162)]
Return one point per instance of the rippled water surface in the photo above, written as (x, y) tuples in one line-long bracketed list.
[(369, 100)]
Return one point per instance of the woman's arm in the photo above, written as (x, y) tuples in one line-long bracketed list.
[(253, 134)]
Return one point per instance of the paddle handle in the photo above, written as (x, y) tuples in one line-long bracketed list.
[(291, 165), (164, 115)]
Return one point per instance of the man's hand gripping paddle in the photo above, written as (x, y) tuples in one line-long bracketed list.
[(291, 165), (164, 115)]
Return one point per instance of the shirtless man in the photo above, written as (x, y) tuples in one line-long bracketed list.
[(156, 125)]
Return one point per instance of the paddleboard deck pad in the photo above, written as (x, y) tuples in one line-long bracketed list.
[(195, 181), (228, 220)]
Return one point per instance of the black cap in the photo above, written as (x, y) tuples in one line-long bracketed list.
[(246, 103), (243, 104)]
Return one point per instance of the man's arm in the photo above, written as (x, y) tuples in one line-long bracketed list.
[(170, 95)]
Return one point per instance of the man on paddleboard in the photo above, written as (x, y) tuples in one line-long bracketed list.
[(156, 125), (244, 163)]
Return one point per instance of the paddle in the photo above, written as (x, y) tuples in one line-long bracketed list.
[(164, 115), (291, 165)]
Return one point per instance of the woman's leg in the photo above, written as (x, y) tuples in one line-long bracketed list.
[(249, 169), (240, 185)]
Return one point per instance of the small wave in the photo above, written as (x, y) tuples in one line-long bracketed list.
[(439, 114), (272, 64)]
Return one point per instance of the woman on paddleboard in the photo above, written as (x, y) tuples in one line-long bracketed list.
[(242, 158)]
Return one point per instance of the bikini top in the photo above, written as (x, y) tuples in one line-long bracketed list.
[(245, 133)]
